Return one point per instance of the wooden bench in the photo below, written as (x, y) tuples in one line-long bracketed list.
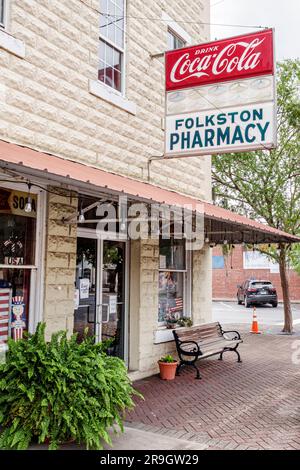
[(202, 341)]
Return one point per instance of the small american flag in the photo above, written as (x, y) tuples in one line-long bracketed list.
[(5, 306), (178, 305)]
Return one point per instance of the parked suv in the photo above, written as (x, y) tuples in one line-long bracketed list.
[(257, 292)]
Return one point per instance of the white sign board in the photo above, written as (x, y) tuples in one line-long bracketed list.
[(257, 260), (231, 129), (84, 288), (113, 304), (220, 96)]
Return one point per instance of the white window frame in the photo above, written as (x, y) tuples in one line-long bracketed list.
[(36, 294), (187, 286), (175, 36), (176, 28), (6, 15), (123, 56)]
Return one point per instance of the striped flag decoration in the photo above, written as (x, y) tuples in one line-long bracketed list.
[(5, 307), (18, 324), (178, 305)]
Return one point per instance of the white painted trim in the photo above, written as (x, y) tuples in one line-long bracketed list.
[(11, 44), (6, 15), (122, 50), (178, 30), (100, 90)]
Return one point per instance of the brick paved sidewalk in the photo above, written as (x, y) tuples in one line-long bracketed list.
[(252, 405)]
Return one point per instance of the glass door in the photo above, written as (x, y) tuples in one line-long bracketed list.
[(113, 295), (100, 292), (85, 316)]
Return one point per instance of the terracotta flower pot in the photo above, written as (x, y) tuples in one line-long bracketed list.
[(167, 370)]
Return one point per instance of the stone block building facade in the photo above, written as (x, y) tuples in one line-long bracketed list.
[(60, 96)]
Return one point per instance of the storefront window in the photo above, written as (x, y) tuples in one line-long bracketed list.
[(172, 276), (17, 260)]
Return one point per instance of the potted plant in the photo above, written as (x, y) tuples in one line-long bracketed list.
[(185, 322), (61, 391), (171, 320), (167, 367)]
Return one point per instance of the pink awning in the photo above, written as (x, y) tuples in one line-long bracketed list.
[(26, 160)]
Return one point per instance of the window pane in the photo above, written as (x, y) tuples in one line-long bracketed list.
[(119, 40), (101, 71), (110, 31), (17, 228), (117, 80), (170, 300), (18, 282), (174, 41), (120, 6), (110, 68), (109, 55), (109, 76), (2, 12), (117, 60), (102, 51), (172, 254), (170, 41)]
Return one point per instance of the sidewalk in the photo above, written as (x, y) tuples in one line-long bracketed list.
[(252, 405)]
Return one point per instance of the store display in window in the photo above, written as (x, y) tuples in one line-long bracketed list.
[(18, 323), (170, 295), (17, 258), (5, 314)]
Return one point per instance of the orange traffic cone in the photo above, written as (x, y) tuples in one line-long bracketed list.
[(254, 328)]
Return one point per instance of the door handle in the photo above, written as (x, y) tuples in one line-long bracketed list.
[(100, 306)]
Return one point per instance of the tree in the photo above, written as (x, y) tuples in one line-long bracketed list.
[(265, 185)]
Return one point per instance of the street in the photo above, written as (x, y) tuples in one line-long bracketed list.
[(231, 312)]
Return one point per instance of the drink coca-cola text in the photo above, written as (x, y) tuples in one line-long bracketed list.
[(222, 60)]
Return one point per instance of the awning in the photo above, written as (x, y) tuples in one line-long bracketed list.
[(220, 224)]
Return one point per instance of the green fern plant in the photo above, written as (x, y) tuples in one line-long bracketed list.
[(60, 391)]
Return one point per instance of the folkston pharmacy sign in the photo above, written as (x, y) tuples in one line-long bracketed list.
[(220, 96)]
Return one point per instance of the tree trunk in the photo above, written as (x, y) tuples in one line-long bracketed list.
[(288, 318)]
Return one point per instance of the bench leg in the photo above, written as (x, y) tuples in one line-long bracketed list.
[(198, 376), (221, 356), (238, 355), (178, 368)]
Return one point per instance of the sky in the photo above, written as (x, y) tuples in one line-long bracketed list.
[(283, 15)]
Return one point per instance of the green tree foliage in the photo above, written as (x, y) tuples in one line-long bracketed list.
[(265, 185), (60, 391)]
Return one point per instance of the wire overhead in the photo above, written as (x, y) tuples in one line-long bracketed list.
[(118, 18), (175, 20)]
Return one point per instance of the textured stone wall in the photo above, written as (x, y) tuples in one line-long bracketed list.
[(47, 103), (60, 262), (144, 354)]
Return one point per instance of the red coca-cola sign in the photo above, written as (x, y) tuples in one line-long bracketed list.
[(228, 59)]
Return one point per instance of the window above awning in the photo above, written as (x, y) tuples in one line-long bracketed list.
[(220, 224)]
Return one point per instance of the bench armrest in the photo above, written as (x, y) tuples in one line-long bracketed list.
[(196, 350), (231, 335)]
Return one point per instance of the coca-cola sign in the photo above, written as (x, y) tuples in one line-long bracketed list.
[(228, 59)]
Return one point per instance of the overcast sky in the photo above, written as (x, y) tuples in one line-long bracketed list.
[(284, 15)]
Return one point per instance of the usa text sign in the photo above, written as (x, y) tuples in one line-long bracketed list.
[(228, 59)]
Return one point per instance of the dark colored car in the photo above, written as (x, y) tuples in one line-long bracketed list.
[(254, 292)]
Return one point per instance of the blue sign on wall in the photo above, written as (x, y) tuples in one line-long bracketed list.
[(218, 262)]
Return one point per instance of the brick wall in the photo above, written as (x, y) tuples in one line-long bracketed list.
[(48, 105), (225, 281)]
